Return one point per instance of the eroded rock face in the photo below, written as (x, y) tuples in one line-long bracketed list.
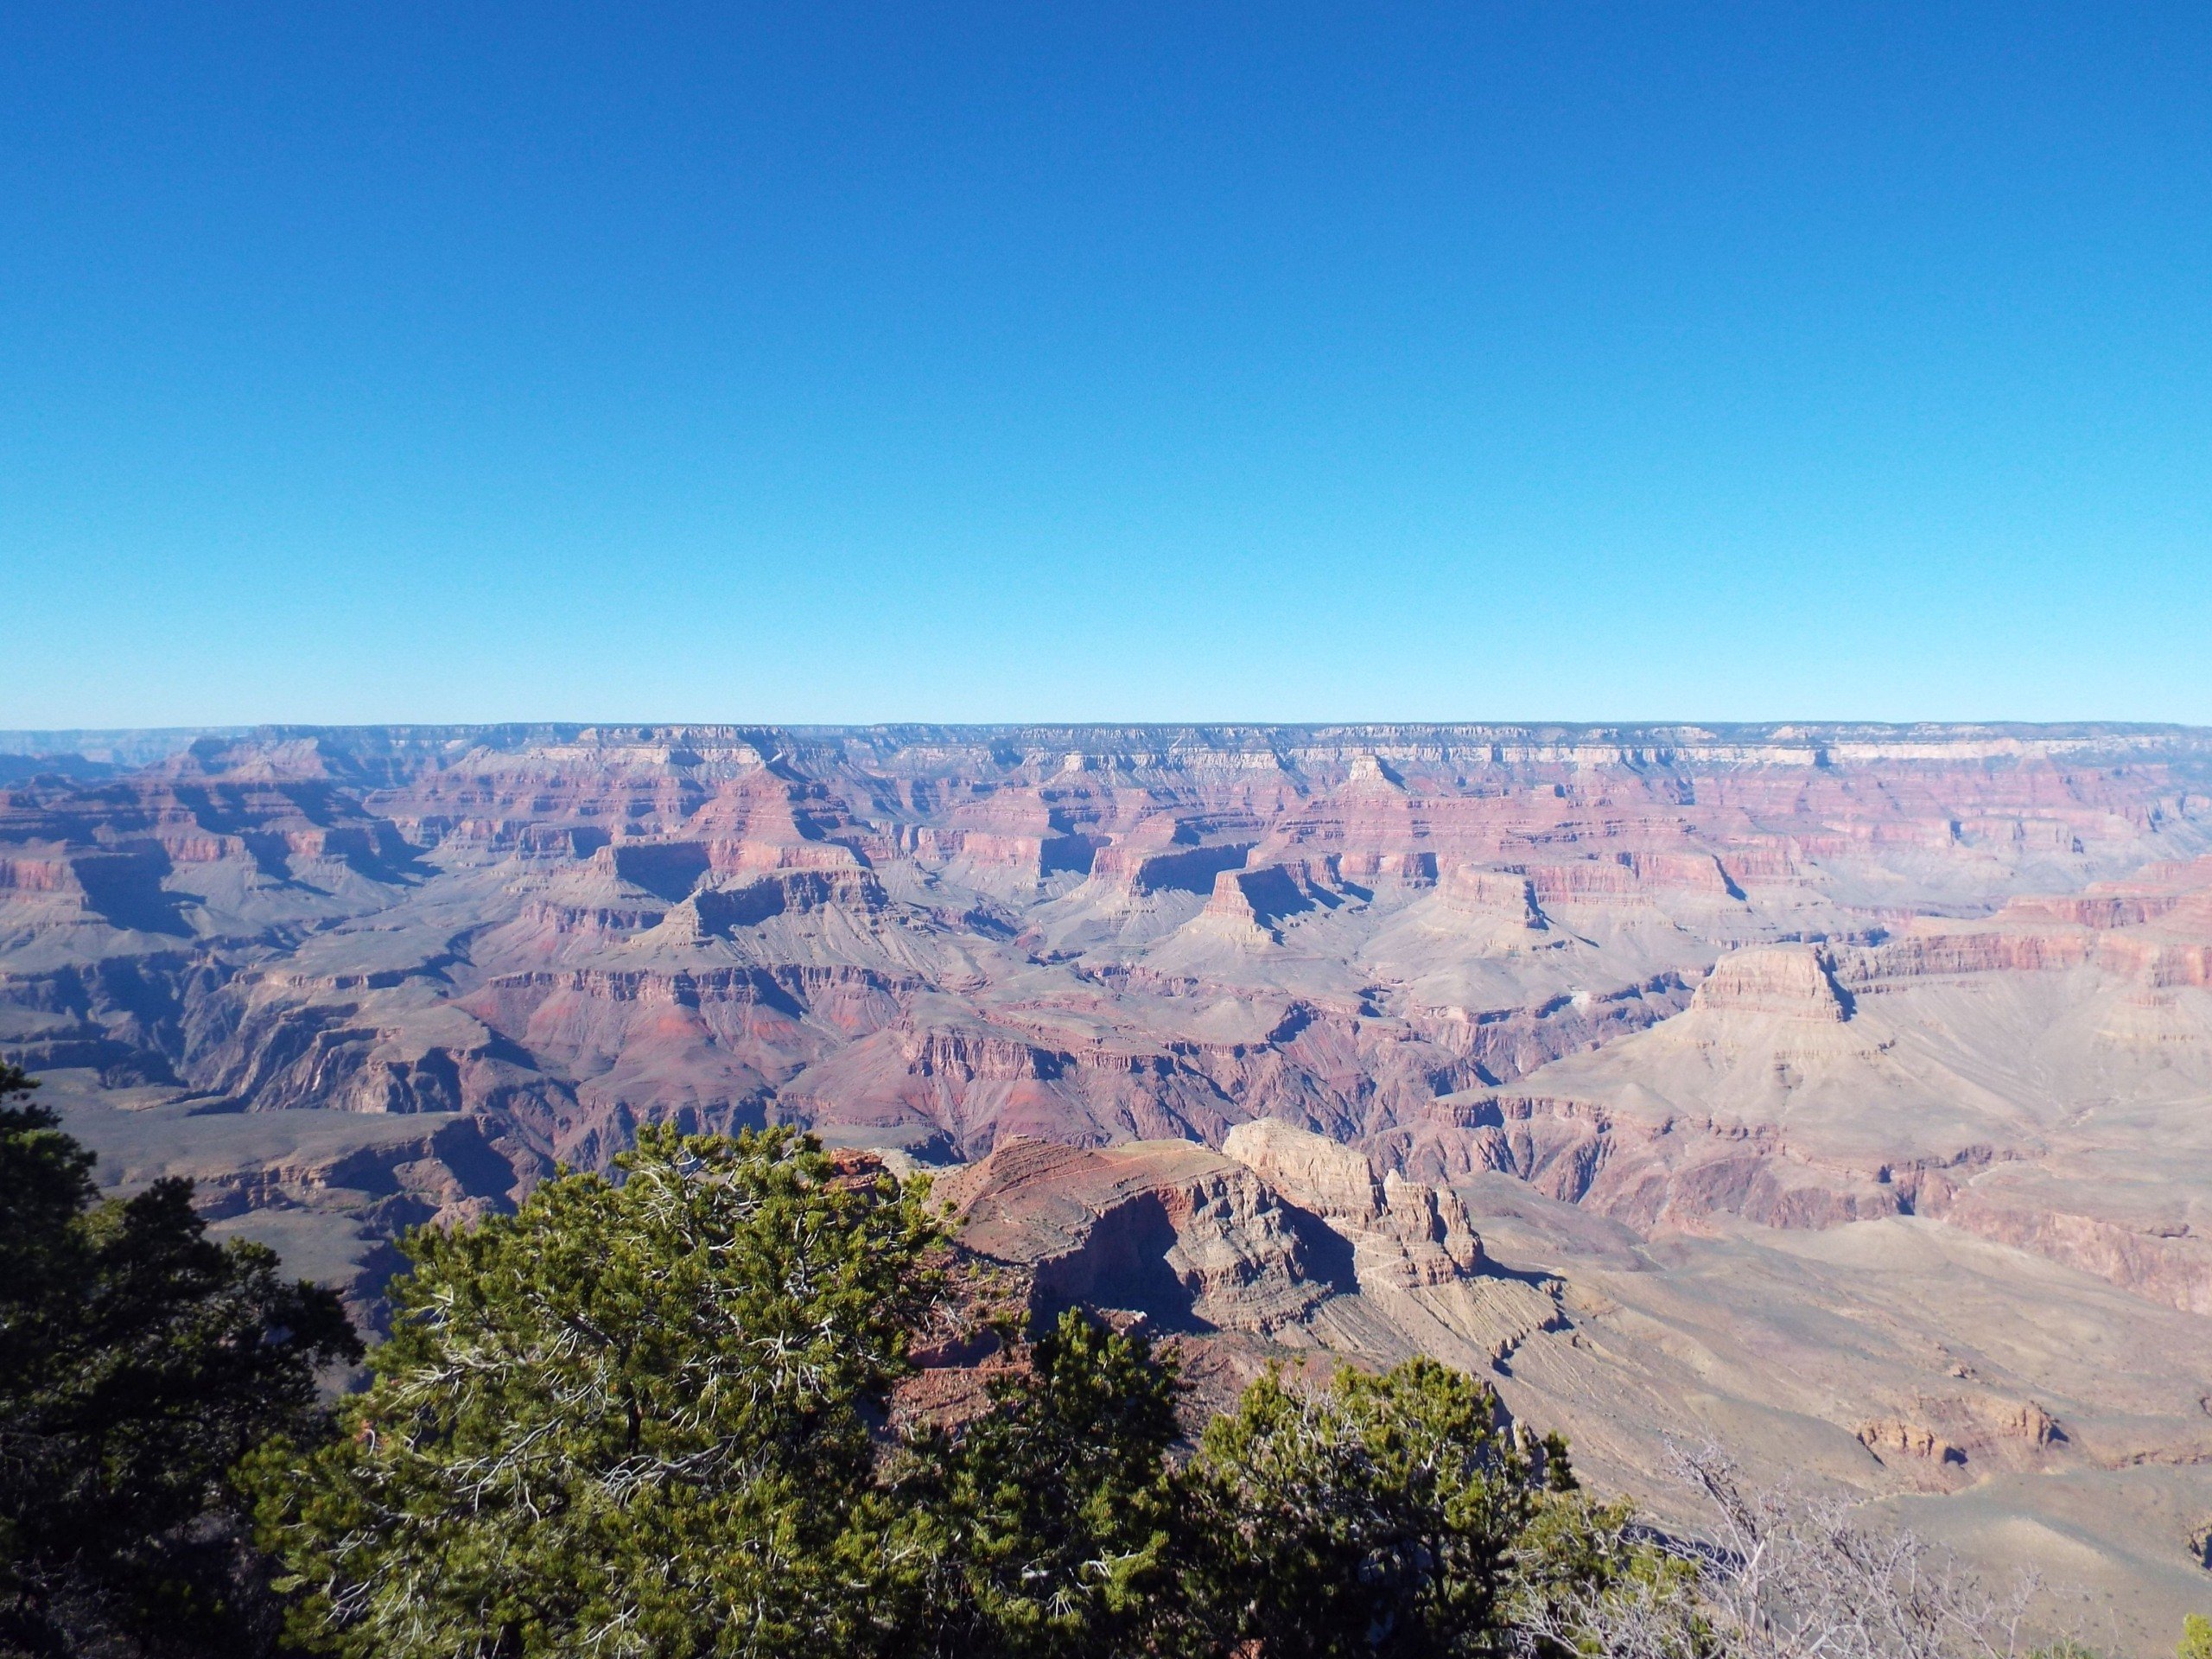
[(1739, 1029), (1792, 980), (1242, 1251), (1626, 966), (1189, 1238), (1404, 1234)]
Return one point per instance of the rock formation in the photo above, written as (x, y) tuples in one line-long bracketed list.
[(1837, 1092)]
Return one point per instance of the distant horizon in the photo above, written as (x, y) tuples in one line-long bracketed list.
[(648, 730)]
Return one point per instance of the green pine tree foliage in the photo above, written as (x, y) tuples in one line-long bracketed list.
[(46, 1181), (1055, 1513), (139, 1361), (632, 1418), (1385, 1516)]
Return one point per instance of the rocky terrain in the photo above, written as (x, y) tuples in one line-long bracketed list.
[(1842, 1094)]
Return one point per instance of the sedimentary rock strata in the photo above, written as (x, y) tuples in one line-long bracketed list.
[(1284, 1242), (1652, 1069)]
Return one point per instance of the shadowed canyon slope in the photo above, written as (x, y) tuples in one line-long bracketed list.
[(1841, 1094)]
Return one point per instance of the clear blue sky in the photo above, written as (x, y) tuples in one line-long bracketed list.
[(879, 362)]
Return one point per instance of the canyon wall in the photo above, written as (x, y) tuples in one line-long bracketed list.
[(1629, 1006)]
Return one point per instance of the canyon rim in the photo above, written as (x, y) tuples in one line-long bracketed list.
[(1840, 1094)]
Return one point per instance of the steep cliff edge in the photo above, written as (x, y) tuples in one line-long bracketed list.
[(1730, 1081), (1287, 1244)]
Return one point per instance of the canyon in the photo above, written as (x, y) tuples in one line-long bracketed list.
[(1838, 1094)]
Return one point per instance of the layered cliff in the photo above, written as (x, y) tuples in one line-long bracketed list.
[(1657, 1071)]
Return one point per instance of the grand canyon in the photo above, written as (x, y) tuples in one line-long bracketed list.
[(1839, 1095)]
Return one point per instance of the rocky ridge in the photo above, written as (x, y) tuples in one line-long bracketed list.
[(1795, 1010)]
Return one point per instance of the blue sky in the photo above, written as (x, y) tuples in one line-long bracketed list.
[(885, 362)]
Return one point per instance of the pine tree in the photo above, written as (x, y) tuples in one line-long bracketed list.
[(1389, 1514), (1055, 1514), (632, 1418), (138, 1362)]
